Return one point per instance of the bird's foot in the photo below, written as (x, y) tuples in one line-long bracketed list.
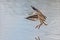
[(38, 26)]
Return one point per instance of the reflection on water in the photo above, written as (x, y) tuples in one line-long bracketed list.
[(37, 38)]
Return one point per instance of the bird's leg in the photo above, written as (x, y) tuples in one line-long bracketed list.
[(44, 23), (41, 22), (38, 26)]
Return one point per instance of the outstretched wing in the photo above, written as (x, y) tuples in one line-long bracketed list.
[(40, 13), (34, 8), (33, 17)]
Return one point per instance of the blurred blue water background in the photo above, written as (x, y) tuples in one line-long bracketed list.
[(14, 26)]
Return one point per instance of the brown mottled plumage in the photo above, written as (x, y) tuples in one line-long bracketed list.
[(39, 16)]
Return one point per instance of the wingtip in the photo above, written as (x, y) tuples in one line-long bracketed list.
[(34, 8)]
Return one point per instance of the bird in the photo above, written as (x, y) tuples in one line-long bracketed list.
[(37, 16)]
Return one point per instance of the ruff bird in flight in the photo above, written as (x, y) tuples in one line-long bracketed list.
[(37, 16)]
